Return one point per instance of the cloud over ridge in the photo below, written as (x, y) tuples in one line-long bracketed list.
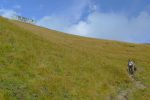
[(114, 26)]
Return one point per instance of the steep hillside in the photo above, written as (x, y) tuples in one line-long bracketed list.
[(37, 63)]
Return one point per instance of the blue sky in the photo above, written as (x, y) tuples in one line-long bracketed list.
[(123, 20)]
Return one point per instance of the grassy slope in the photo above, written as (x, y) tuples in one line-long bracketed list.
[(37, 63)]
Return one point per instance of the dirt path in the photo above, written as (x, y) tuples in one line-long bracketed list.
[(123, 95), (138, 83)]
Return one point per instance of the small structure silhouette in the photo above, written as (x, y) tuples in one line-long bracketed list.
[(23, 19)]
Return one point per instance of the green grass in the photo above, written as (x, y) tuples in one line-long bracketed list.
[(37, 63)]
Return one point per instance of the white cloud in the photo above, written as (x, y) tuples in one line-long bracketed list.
[(79, 29), (7, 13), (114, 26)]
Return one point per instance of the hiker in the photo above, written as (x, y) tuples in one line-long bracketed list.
[(131, 67)]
